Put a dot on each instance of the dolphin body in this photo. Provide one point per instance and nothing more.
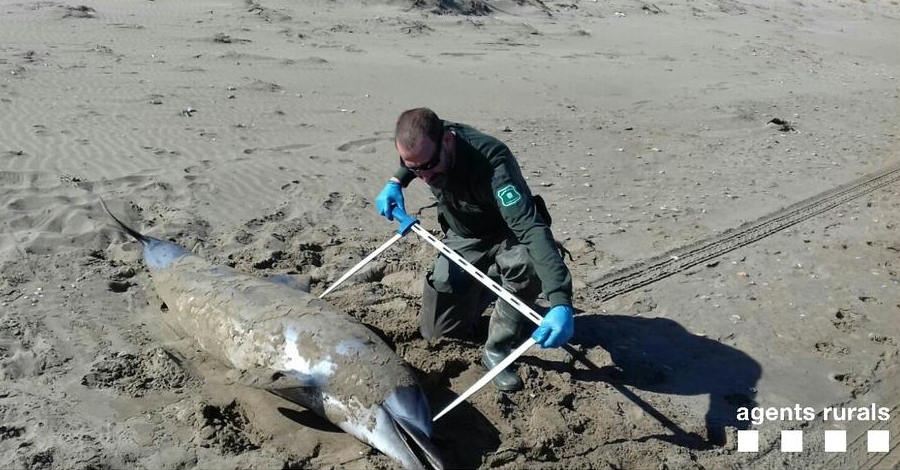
(290, 343)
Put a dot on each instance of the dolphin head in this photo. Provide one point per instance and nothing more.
(398, 424)
(402, 429)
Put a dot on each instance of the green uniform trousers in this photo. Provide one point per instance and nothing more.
(453, 300)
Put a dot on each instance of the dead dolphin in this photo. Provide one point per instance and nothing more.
(288, 342)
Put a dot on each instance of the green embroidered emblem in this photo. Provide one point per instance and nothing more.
(508, 195)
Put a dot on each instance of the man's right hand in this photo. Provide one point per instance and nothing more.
(390, 196)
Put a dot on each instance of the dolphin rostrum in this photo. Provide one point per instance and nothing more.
(288, 342)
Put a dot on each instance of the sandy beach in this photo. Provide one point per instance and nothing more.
(724, 173)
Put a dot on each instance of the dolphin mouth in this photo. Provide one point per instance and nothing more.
(410, 415)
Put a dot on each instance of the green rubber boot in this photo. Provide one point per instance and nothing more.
(503, 331)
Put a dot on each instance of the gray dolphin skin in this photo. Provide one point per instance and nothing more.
(288, 342)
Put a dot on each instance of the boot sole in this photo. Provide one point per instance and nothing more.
(515, 388)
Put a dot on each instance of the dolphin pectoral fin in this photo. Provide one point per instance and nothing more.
(287, 382)
(272, 380)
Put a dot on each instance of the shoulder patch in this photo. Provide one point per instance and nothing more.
(508, 195)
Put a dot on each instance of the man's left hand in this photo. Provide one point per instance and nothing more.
(556, 328)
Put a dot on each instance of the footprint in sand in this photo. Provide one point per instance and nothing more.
(196, 182)
(882, 339)
(360, 145)
(223, 428)
(847, 321)
(282, 148)
(203, 166)
(155, 370)
(829, 348)
(80, 11)
(858, 384)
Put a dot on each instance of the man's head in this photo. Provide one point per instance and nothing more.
(424, 146)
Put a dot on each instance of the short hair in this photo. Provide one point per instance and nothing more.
(415, 124)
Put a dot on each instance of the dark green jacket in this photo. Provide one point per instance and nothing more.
(487, 198)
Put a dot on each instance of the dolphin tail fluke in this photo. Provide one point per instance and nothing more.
(134, 233)
(158, 254)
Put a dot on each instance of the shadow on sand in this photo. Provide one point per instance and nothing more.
(658, 355)
(465, 435)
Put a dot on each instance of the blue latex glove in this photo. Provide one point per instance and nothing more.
(556, 328)
(390, 196)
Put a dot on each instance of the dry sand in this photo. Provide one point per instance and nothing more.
(258, 133)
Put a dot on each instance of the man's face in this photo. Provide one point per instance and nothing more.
(429, 161)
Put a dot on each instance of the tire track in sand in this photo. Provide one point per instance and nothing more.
(680, 259)
(858, 455)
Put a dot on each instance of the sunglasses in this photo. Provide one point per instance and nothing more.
(431, 163)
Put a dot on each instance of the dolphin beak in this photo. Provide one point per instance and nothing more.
(408, 408)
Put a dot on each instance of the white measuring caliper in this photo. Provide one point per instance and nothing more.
(408, 224)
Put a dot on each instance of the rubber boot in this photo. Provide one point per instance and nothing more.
(503, 332)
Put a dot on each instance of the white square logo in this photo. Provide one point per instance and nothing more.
(878, 440)
(835, 440)
(792, 441)
(748, 441)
